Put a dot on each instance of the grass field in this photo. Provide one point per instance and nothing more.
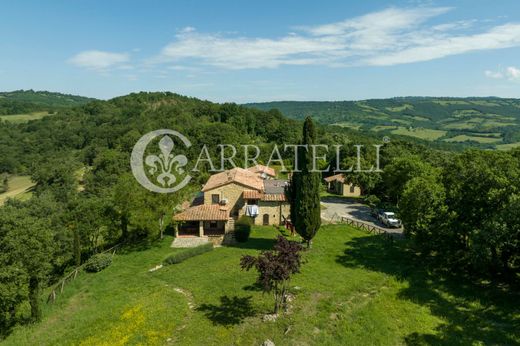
(354, 289)
(399, 108)
(19, 188)
(383, 127)
(508, 146)
(23, 118)
(479, 139)
(348, 125)
(422, 133)
(462, 125)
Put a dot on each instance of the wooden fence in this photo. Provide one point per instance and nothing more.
(367, 226)
(60, 285)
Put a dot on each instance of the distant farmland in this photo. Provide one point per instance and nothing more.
(23, 118)
(482, 122)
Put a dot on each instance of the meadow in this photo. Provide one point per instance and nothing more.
(354, 289)
(19, 187)
(422, 133)
(23, 118)
(478, 139)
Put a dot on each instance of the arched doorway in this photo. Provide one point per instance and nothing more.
(266, 219)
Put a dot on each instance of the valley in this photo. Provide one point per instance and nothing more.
(492, 123)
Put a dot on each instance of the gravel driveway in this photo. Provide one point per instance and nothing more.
(352, 208)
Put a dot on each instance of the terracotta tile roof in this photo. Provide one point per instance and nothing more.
(273, 197)
(338, 177)
(263, 169)
(268, 197)
(212, 212)
(235, 175)
(251, 194)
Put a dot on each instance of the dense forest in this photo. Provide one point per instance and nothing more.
(27, 101)
(460, 209)
(487, 122)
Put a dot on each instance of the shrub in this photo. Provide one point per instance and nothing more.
(184, 254)
(275, 269)
(98, 262)
(243, 228)
(372, 201)
(3, 183)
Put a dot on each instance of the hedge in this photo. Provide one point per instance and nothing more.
(98, 262)
(243, 228)
(184, 254)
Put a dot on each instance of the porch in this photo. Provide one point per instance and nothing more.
(215, 228)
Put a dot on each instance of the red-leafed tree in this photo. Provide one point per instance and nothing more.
(275, 268)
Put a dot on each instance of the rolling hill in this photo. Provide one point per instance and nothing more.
(354, 289)
(28, 102)
(488, 122)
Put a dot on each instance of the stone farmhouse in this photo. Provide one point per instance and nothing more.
(228, 195)
(338, 185)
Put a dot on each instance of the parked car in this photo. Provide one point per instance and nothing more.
(389, 219)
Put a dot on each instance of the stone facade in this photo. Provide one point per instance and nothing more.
(271, 213)
(233, 194)
(343, 189)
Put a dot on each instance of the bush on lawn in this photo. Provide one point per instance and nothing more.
(184, 254)
(243, 228)
(98, 262)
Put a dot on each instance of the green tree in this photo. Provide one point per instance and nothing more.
(304, 190)
(56, 176)
(424, 212)
(275, 268)
(401, 170)
(28, 243)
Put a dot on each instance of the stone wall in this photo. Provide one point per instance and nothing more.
(350, 190)
(232, 192)
(275, 210)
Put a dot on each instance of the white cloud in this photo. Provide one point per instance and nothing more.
(99, 60)
(388, 37)
(494, 74)
(512, 73)
(504, 36)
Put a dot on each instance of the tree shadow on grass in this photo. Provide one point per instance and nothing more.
(231, 311)
(475, 313)
(256, 243)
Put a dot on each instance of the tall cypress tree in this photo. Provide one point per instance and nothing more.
(304, 190)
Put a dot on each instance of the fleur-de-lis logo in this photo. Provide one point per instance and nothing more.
(165, 162)
(161, 167)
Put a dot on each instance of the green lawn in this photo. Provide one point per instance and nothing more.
(354, 289)
(23, 118)
(19, 187)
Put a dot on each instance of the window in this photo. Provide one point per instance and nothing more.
(352, 188)
(215, 199)
(213, 224)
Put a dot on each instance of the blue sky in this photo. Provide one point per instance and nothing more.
(245, 51)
